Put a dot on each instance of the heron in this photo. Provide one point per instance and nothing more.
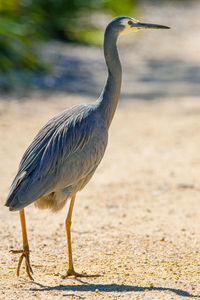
(66, 152)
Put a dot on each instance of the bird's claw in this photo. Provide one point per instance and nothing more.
(25, 255)
(71, 272)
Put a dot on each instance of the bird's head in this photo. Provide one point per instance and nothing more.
(125, 25)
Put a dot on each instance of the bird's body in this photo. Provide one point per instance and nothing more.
(61, 159)
(66, 152)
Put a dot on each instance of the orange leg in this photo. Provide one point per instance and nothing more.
(68, 222)
(25, 251)
(68, 231)
(71, 271)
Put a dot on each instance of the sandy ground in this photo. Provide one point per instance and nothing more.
(136, 224)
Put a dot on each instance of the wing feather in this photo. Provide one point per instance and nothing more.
(65, 134)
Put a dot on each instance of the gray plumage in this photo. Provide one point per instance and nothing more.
(66, 152)
(61, 159)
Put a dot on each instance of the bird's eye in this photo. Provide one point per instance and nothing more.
(130, 22)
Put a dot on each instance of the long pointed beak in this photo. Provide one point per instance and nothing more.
(149, 26)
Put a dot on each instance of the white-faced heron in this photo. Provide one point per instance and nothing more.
(66, 152)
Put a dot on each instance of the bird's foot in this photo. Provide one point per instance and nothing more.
(71, 272)
(25, 255)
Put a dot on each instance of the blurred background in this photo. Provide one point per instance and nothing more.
(27, 25)
(48, 45)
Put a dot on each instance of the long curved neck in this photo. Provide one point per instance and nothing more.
(111, 92)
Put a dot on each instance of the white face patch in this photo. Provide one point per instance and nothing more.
(125, 21)
(127, 27)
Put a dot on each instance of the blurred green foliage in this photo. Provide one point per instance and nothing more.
(24, 23)
(17, 36)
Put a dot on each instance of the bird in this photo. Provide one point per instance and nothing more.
(66, 152)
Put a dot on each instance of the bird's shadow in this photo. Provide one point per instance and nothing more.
(87, 287)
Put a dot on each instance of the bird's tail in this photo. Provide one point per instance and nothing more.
(12, 200)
